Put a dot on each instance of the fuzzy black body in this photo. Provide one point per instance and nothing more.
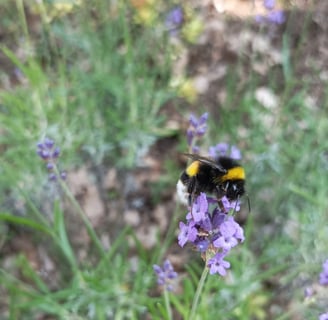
(203, 181)
(222, 177)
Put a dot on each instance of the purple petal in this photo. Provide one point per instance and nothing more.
(175, 17)
(167, 266)
(200, 131)
(63, 175)
(48, 143)
(199, 208)
(323, 316)
(218, 265)
(260, 19)
(40, 145)
(217, 218)
(269, 4)
(56, 153)
(195, 149)
(157, 268)
(235, 153)
(203, 119)
(183, 235)
(193, 120)
(52, 177)
(44, 154)
(50, 166)
(202, 245)
(277, 17)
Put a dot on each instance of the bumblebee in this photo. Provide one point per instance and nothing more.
(223, 176)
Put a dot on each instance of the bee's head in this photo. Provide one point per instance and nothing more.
(233, 189)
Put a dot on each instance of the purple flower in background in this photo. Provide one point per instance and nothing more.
(224, 149)
(221, 149)
(274, 17)
(165, 274)
(323, 280)
(47, 151)
(260, 19)
(174, 19)
(197, 128)
(308, 292)
(269, 4)
(235, 153)
(218, 265)
(193, 121)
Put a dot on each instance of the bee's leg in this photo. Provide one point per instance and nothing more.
(220, 192)
(192, 190)
(221, 206)
(192, 186)
(190, 200)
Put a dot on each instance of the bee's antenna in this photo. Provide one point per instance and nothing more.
(237, 202)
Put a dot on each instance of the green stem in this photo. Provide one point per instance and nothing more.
(22, 16)
(199, 290)
(130, 69)
(83, 216)
(167, 304)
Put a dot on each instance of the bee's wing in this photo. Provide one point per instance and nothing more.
(207, 161)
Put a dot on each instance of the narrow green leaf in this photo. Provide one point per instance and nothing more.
(63, 241)
(30, 273)
(25, 222)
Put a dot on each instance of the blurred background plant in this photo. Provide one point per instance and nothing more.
(114, 83)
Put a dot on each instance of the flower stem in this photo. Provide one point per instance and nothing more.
(199, 290)
(167, 304)
(84, 218)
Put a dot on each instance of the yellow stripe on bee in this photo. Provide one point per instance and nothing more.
(236, 173)
(193, 169)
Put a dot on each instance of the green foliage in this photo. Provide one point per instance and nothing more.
(91, 293)
(102, 82)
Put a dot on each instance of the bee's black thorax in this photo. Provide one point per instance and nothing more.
(202, 181)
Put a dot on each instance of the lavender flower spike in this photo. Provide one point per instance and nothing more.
(165, 274)
(47, 151)
(197, 128)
